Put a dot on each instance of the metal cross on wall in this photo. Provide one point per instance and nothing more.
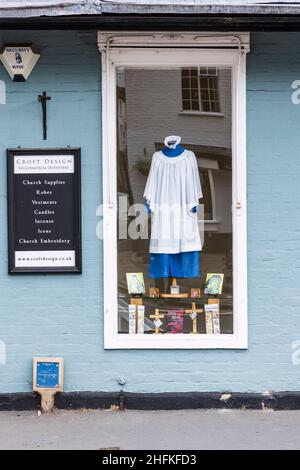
(43, 100)
(193, 313)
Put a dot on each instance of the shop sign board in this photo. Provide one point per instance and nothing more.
(44, 211)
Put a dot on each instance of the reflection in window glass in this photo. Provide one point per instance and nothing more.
(200, 89)
(186, 289)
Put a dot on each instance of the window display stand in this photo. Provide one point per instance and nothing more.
(136, 301)
(157, 317)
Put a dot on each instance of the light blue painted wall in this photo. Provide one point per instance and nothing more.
(62, 315)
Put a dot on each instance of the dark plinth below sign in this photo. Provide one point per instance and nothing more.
(44, 210)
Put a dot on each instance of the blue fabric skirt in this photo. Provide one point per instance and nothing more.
(174, 264)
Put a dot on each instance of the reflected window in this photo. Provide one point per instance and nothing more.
(152, 300)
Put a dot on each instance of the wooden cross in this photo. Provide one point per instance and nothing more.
(43, 100)
(194, 310)
(156, 316)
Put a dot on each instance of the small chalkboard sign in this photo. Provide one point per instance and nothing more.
(48, 373)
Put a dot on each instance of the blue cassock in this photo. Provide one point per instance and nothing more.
(174, 264)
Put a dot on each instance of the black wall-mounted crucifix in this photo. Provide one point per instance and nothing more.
(43, 100)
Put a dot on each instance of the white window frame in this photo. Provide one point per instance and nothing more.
(154, 50)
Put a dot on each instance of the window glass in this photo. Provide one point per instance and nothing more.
(175, 224)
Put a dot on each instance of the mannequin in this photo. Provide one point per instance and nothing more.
(179, 264)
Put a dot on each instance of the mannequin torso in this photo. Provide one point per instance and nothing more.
(179, 265)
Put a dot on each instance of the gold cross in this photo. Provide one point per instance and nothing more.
(194, 310)
(156, 316)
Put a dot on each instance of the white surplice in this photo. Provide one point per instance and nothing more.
(172, 190)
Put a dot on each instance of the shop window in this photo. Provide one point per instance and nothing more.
(174, 219)
(200, 89)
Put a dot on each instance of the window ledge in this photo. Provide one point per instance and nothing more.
(200, 113)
